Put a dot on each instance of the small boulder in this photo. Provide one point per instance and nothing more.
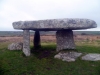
(68, 59)
(68, 56)
(91, 57)
(15, 46)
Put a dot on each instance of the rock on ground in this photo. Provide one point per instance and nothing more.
(15, 46)
(68, 56)
(91, 57)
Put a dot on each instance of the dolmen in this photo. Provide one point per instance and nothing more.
(63, 28)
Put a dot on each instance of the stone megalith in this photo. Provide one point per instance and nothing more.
(63, 27)
(26, 42)
(65, 40)
(37, 40)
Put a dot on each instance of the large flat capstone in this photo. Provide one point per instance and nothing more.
(55, 24)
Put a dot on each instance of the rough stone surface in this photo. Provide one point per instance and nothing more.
(15, 46)
(56, 24)
(91, 57)
(26, 42)
(65, 40)
(68, 56)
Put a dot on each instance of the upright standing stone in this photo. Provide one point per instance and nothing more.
(65, 40)
(37, 40)
(26, 42)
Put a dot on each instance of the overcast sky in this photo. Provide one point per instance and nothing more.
(21, 10)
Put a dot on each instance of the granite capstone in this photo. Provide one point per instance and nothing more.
(55, 24)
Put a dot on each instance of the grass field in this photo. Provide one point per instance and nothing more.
(42, 62)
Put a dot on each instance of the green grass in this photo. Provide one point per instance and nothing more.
(42, 62)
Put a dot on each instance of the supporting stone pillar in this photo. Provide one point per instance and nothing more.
(65, 40)
(26, 42)
(37, 40)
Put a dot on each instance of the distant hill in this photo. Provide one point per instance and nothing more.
(20, 33)
(87, 32)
